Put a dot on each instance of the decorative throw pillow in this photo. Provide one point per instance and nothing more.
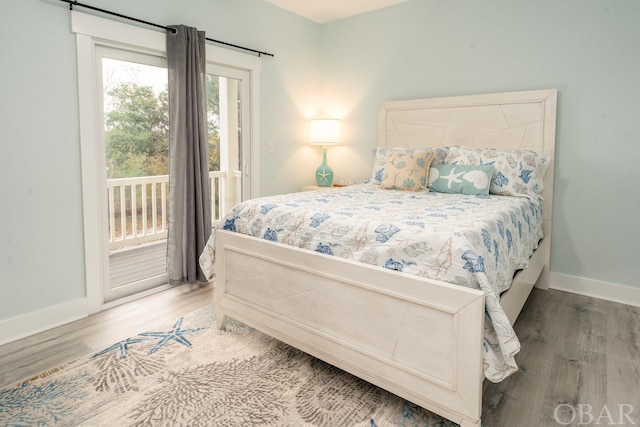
(408, 171)
(461, 179)
(515, 172)
(381, 158)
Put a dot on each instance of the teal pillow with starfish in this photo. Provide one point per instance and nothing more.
(461, 179)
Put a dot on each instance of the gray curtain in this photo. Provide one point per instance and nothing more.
(189, 197)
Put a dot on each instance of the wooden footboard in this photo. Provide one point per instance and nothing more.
(420, 339)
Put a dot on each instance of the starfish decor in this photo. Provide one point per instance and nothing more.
(323, 176)
(453, 177)
(123, 346)
(176, 334)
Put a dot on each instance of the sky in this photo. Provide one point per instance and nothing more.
(115, 72)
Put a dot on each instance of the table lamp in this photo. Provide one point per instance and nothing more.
(324, 132)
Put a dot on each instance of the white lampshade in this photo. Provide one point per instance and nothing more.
(324, 131)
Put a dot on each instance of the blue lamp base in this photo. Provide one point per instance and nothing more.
(324, 174)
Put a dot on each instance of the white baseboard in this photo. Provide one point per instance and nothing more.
(39, 321)
(594, 288)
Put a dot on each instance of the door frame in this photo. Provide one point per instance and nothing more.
(92, 31)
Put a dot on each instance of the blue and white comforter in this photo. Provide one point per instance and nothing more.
(472, 241)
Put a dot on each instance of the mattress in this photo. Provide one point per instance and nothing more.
(473, 241)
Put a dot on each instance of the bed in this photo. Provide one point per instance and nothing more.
(402, 325)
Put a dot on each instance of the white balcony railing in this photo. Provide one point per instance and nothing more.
(137, 207)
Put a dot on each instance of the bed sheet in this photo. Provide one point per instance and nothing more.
(474, 241)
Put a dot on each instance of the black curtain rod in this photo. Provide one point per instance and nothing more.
(73, 3)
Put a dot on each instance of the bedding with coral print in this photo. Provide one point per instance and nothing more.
(474, 241)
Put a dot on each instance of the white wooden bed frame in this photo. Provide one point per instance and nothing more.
(418, 338)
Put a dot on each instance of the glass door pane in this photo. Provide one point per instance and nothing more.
(136, 148)
(227, 139)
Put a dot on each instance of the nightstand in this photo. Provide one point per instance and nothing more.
(316, 187)
(312, 187)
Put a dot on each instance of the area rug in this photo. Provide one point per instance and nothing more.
(190, 374)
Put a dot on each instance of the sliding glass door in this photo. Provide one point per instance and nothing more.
(228, 103)
(134, 114)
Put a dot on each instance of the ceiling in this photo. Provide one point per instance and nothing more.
(322, 11)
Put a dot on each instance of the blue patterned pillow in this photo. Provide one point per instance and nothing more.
(459, 179)
(515, 172)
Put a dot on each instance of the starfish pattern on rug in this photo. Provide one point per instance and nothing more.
(235, 376)
(176, 334)
(123, 346)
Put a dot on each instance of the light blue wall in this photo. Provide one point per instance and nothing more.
(41, 246)
(41, 231)
(588, 49)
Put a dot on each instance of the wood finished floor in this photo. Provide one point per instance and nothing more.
(575, 350)
(47, 350)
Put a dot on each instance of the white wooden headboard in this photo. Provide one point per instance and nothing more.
(507, 121)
